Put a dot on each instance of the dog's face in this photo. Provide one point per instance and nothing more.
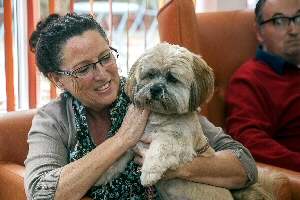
(169, 79)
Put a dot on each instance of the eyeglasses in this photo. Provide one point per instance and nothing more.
(282, 23)
(85, 71)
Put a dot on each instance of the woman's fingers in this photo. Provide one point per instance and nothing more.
(134, 124)
(139, 160)
(139, 155)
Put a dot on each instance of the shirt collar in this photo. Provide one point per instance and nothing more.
(277, 63)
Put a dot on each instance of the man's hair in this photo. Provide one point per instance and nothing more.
(259, 10)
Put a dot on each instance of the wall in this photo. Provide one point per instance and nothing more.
(220, 5)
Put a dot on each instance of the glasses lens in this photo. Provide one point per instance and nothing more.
(83, 71)
(297, 20)
(109, 59)
(281, 23)
(105, 61)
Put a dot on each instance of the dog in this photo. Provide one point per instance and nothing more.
(172, 82)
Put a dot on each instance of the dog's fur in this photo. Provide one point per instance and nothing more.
(172, 82)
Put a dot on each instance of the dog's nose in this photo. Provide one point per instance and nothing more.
(156, 91)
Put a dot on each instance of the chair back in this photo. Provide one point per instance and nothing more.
(225, 40)
(14, 129)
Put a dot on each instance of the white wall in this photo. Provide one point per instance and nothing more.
(206, 5)
(226, 5)
(220, 5)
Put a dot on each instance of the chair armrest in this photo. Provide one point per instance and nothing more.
(12, 181)
(292, 175)
(13, 135)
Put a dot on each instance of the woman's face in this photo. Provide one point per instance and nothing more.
(98, 90)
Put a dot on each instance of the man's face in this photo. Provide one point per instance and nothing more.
(284, 43)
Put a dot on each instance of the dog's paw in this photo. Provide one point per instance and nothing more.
(149, 179)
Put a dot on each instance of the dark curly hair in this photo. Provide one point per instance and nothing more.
(52, 34)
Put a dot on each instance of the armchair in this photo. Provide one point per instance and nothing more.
(225, 40)
(13, 152)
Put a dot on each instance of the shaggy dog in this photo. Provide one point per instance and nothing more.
(173, 82)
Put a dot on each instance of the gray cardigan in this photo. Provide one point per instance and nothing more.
(53, 135)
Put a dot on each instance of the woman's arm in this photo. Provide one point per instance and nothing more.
(232, 166)
(223, 169)
(240, 156)
(90, 167)
(76, 178)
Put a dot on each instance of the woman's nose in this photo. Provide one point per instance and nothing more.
(100, 72)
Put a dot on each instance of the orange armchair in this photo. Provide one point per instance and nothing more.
(225, 40)
(14, 128)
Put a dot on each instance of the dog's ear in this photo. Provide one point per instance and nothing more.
(202, 88)
(130, 87)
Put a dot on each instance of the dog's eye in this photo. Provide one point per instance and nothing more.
(150, 75)
(171, 78)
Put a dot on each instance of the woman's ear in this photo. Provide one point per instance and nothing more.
(56, 80)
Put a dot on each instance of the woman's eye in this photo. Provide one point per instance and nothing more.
(106, 58)
(84, 69)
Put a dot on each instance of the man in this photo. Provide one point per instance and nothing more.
(263, 96)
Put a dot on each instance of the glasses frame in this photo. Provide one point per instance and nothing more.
(73, 74)
(273, 19)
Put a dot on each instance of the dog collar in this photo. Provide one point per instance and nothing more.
(203, 149)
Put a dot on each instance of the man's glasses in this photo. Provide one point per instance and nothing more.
(85, 71)
(282, 23)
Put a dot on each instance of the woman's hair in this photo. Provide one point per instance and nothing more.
(53, 33)
(259, 11)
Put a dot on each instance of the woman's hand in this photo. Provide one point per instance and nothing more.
(139, 156)
(133, 125)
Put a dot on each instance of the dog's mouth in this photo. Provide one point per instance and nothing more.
(152, 103)
(156, 98)
(158, 105)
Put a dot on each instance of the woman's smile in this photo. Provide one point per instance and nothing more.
(104, 87)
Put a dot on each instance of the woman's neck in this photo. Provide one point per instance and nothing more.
(99, 124)
(95, 115)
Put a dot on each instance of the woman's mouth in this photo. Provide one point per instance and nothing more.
(104, 87)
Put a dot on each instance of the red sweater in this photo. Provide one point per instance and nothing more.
(264, 113)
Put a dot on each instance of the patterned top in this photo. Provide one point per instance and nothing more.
(127, 185)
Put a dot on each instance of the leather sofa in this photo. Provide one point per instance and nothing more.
(225, 40)
(14, 128)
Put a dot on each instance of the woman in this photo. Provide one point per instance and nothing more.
(79, 135)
